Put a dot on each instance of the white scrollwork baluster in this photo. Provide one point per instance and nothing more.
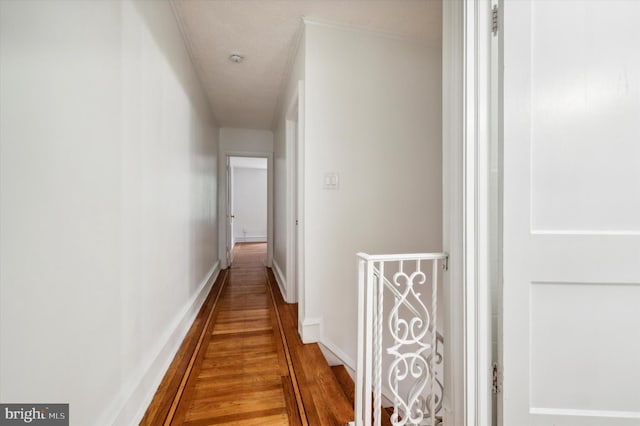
(393, 375)
(377, 386)
(434, 335)
(408, 365)
(414, 371)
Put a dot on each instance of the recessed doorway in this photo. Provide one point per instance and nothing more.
(247, 202)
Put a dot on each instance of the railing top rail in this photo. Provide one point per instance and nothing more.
(398, 257)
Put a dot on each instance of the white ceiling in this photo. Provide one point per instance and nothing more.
(265, 32)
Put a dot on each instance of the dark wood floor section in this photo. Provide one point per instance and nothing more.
(243, 363)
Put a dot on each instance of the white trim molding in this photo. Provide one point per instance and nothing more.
(281, 280)
(477, 220)
(292, 121)
(336, 25)
(338, 353)
(310, 330)
(333, 359)
(454, 403)
(300, 277)
(336, 356)
(586, 413)
(466, 94)
(251, 239)
(295, 204)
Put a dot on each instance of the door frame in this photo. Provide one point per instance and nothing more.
(230, 215)
(467, 137)
(295, 200)
(223, 185)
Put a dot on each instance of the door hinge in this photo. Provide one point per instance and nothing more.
(445, 263)
(495, 379)
(494, 20)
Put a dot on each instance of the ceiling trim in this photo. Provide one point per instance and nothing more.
(271, 33)
(306, 20)
(362, 30)
(186, 39)
(286, 76)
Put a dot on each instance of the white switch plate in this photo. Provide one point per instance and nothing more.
(330, 181)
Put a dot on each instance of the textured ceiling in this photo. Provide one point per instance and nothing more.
(265, 33)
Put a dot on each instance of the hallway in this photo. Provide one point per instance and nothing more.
(243, 362)
(501, 136)
(238, 373)
(117, 120)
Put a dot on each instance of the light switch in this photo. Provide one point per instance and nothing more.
(330, 181)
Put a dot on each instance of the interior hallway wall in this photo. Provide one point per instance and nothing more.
(246, 140)
(373, 116)
(108, 203)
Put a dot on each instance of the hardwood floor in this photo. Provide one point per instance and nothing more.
(243, 362)
(172, 385)
(324, 400)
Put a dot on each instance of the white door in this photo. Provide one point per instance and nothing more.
(294, 182)
(230, 214)
(571, 164)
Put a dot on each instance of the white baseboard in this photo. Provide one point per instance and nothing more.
(282, 282)
(336, 355)
(387, 396)
(130, 404)
(252, 239)
(333, 359)
(310, 330)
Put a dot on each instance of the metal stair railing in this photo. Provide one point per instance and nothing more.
(414, 347)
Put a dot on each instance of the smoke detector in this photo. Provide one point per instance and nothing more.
(237, 58)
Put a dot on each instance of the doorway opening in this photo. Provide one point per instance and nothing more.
(247, 202)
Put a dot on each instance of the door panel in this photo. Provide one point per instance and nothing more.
(571, 212)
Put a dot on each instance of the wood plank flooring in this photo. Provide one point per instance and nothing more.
(239, 376)
(324, 400)
(243, 363)
(174, 380)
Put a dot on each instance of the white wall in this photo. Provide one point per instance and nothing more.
(250, 203)
(244, 142)
(107, 203)
(373, 116)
